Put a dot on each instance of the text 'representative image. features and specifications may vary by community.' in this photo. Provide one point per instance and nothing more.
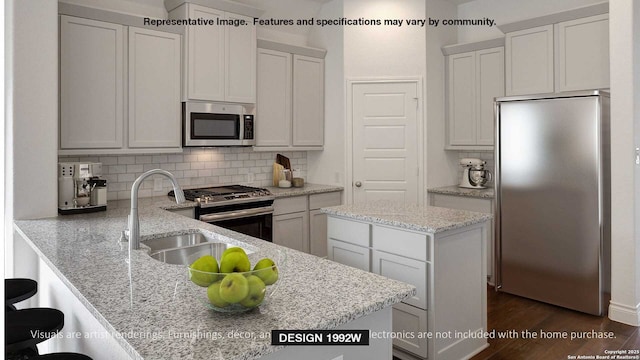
(343, 21)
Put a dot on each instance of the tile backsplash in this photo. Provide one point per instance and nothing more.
(193, 167)
(483, 155)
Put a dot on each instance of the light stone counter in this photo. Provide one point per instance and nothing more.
(307, 189)
(429, 219)
(458, 191)
(153, 298)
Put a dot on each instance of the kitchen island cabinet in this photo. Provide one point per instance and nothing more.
(439, 251)
(140, 308)
(480, 200)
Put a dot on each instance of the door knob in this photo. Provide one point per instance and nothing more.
(358, 184)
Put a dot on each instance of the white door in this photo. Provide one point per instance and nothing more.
(385, 141)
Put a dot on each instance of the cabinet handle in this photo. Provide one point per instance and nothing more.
(358, 184)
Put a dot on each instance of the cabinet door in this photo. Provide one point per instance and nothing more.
(412, 320)
(583, 59)
(318, 233)
(292, 231)
(205, 56)
(240, 64)
(154, 89)
(529, 61)
(273, 113)
(91, 84)
(348, 254)
(489, 85)
(403, 269)
(462, 99)
(308, 101)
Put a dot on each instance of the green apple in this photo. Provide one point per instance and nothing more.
(234, 288)
(257, 290)
(203, 266)
(268, 271)
(235, 262)
(213, 293)
(232, 250)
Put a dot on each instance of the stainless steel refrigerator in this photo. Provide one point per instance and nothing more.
(553, 198)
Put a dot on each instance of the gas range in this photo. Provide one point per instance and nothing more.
(227, 195)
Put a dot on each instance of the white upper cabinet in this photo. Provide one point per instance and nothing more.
(240, 65)
(220, 59)
(529, 61)
(567, 51)
(205, 56)
(91, 84)
(475, 78)
(489, 85)
(273, 112)
(308, 101)
(154, 89)
(583, 55)
(290, 98)
(119, 88)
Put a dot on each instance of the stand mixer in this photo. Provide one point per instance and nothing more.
(474, 175)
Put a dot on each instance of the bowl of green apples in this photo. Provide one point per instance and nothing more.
(232, 284)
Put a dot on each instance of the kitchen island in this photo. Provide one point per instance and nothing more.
(440, 251)
(141, 308)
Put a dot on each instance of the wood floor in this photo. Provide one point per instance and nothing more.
(509, 312)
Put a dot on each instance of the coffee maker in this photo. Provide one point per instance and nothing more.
(474, 175)
(80, 188)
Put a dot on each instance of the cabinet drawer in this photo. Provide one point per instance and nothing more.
(402, 242)
(412, 320)
(317, 201)
(403, 269)
(289, 205)
(349, 254)
(348, 231)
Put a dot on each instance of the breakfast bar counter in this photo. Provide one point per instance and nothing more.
(146, 309)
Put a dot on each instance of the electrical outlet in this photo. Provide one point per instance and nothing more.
(251, 178)
(157, 184)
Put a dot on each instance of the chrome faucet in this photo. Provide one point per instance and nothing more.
(133, 233)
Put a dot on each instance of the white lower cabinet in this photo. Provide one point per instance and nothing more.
(407, 319)
(349, 254)
(448, 270)
(291, 230)
(483, 205)
(407, 270)
(299, 224)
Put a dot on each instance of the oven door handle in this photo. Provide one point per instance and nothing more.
(266, 210)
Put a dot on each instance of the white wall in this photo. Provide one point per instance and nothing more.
(328, 166)
(443, 164)
(624, 37)
(31, 114)
(508, 11)
(377, 51)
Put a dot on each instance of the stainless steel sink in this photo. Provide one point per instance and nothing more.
(184, 249)
(189, 254)
(176, 241)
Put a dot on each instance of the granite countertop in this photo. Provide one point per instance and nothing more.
(307, 189)
(458, 191)
(156, 303)
(429, 219)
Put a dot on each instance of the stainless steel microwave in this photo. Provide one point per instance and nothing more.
(214, 124)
